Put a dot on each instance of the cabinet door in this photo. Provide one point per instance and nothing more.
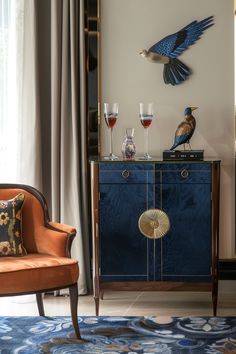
(183, 191)
(126, 190)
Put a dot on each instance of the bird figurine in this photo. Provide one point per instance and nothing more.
(169, 48)
(185, 129)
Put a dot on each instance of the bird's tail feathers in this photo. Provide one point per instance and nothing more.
(175, 72)
(173, 146)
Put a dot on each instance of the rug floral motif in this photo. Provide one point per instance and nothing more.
(117, 335)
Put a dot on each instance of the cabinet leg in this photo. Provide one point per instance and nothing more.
(96, 299)
(96, 294)
(214, 297)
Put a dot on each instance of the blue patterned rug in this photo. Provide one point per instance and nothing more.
(117, 335)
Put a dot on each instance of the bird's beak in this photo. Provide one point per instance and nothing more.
(193, 108)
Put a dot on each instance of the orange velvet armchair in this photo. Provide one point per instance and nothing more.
(47, 265)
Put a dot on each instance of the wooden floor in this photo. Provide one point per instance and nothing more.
(130, 304)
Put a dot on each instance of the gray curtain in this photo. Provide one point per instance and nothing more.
(29, 169)
(61, 120)
(68, 130)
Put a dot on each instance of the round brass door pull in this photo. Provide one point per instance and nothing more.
(125, 174)
(154, 223)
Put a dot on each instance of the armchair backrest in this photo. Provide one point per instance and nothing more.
(34, 212)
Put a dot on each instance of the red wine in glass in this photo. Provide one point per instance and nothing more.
(111, 115)
(146, 116)
(146, 122)
(110, 120)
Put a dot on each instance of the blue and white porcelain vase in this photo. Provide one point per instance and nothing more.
(128, 147)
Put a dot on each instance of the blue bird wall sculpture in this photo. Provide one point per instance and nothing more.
(169, 48)
(185, 129)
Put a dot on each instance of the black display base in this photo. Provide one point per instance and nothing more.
(183, 155)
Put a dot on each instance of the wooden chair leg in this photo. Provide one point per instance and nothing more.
(73, 306)
(39, 299)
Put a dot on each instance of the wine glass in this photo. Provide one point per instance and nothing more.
(111, 115)
(146, 116)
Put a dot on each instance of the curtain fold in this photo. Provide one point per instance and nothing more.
(29, 134)
(57, 130)
(68, 155)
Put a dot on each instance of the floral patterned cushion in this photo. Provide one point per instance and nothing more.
(10, 226)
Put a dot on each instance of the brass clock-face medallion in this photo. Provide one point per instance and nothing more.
(154, 223)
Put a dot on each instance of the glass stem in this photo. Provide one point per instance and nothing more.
(111, 142)
(146, 140)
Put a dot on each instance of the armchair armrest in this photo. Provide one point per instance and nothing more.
(55, 239)
(63, 227)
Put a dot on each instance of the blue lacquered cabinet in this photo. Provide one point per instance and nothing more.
(186, 257)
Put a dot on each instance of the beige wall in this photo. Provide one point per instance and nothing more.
(129, 26)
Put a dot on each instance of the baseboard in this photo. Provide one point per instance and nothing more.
(227, 269)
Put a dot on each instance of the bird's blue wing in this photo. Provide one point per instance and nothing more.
(179, 140)
(165, 46)
(173, 45)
